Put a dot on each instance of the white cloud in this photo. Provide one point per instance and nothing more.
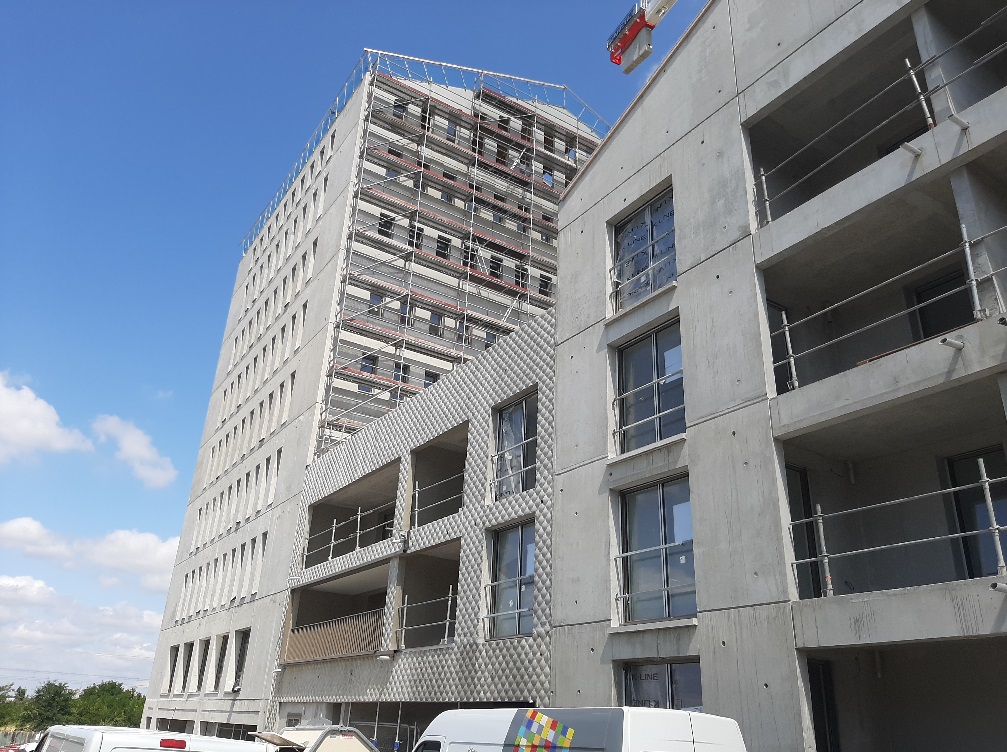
(24, 591)
(163, 394)
(61, 638)
(137, 450)
(122, 555)
(29, 424)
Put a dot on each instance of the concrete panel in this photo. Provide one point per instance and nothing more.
(839, 28)
(948, 610)
(694, 81)
(582, 277)
(751, 672)
(582, 670)
(584, 394)
(714, 202)
(653, 641)
(724, 350)
(906, 374)
(738, 508)
(583, 573)
(651, 463)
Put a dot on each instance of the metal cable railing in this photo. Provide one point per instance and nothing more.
(454, 500)
(430, 630)
(919, 97)
(353, 535)
(969, 286)
(826, 555)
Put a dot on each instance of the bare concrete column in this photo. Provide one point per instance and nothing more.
(393, 602)
(982, 209)
(936, 34)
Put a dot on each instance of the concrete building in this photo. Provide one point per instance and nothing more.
(426, 580)
(782, 292)
(417, 227)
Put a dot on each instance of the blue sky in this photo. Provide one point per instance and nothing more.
(138, 142)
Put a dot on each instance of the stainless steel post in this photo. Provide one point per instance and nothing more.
(791, 361)
(994, 527)
(977, 310)
(823, 552)
(447, 616)
(919, 95)
(359, 515)
(765, 196)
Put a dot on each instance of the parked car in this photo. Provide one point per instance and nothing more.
(113, 738)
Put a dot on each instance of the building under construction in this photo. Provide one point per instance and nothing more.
(452, 235)
(417, 226)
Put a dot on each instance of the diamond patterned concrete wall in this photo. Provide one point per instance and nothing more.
(473, 668)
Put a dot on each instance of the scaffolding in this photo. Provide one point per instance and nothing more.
(453, 224)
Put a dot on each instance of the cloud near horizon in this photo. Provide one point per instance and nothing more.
(120, 556)
(43, 630)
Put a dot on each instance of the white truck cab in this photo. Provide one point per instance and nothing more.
(109, 738)
(580, 730)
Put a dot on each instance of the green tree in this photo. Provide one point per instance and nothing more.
(14, 707)
(51, 703)
(108, 704)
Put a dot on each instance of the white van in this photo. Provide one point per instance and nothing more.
(580, 730)
(109, 738)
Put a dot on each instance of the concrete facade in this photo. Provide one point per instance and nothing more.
(333, 307)
(813, 632)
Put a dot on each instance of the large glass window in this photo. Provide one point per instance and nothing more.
(657, 567)
(512, 589)
(645, 252)
(516, 443)
(651, 401)
(664, 685)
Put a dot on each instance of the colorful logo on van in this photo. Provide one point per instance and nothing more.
(540, 733)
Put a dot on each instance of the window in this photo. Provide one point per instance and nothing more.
(944, 305)
(516, 441)
(547, 177)
(491, 339)
(172, 661)
(496, 267)
(443, 246)
(401, 373)
(645, 252)
(521, 275)
(395, 153)
(657, 570)
(369, 365)
(651, 401)
(809, 580)
(204, 652)
(430, 378)
(391, 173)
(415, 235)
(664, 685)
(445, 196)
(452, 131)
(545, 285)
(972, 511)
(405, 313)
(385, 225)
(512, 590)
(241, 639)
(549, 141)
(399, 109)
(221, 658)
(376, 301)
(437, 324)
(823, 706)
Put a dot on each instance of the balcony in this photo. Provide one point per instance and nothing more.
(873, 101)
(910, 495)
(428, 612)
(439, 477)
(339, 618)
(906, 272)
(359, 515)
(356, 634)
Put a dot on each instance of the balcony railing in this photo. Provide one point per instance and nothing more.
(510, 607)
(510, 481)
(347, 536)
(438, 499)
(427, 623)
(786, 342)
(674, 597)
(906, 96)
(828, 568)
(357, 634)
